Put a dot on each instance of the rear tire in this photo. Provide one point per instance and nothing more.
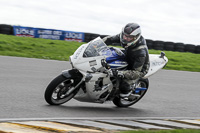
(56, 91)
(121, 102)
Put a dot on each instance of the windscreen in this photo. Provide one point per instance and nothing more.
(97, 48)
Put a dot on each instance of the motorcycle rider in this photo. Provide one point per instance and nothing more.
(136, 53)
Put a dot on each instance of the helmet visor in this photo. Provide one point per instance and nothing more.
(128, 38)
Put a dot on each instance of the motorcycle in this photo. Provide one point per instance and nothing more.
(94, 76)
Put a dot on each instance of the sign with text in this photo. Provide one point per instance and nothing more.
(48, 34)
(24, 31)
(73, 36)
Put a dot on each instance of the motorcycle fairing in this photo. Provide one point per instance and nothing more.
(95, 91)
(98, 85)
(116, 59)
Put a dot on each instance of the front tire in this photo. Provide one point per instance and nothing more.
(57, 91)
(122, 102)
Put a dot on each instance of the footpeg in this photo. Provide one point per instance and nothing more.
(125, 95)
(133, 96)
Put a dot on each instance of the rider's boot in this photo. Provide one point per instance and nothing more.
(126, 88)
(123, 95)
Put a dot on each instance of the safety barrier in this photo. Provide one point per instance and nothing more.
(86, 37)
(6, 29)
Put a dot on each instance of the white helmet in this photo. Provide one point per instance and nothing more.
(130, 34)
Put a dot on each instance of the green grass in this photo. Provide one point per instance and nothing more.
(165, 131)
(36, 47)
(61, 50)
(184, 61)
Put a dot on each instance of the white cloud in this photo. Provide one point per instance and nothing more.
(170, 20)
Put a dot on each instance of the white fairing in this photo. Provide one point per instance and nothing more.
(92, 95)
(88, 65)
(156, 63)
(85, 63)
(92, 65)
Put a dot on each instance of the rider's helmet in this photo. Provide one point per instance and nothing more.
(130, 34)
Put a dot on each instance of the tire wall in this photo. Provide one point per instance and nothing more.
(172, 46)
(6, 29)
(152, 44)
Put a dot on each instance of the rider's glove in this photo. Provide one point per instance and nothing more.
(120, 74)
(131, 75)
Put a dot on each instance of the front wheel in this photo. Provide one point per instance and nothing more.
(126, 102)
(60, 90)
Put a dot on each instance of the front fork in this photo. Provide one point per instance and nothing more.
(76, 76)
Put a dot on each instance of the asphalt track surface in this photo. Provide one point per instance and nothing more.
(24, 80)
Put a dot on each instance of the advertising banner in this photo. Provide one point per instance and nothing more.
(73, 36)
(49, 34)
(24, 31)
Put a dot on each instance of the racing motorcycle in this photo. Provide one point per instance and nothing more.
(95, 77)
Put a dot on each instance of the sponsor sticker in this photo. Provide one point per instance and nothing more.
(157, 63)
(78, 52)
(93, 63)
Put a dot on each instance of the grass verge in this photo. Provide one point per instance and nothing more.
(165, 131)
(61, 50)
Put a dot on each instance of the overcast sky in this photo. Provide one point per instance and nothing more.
(169, 20)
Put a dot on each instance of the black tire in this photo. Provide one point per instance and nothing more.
(6, 29)
(93, 36)
(90, 36)
(120, 102)
(189, 48)
(102, 36)
(59, 88)
(158, 45)
(180, 47)
(149, 43)
(169, 46)
(87, 37)
(197, 49)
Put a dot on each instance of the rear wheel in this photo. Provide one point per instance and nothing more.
(125, 102)
(60, 90)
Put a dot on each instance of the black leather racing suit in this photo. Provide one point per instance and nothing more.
(137, 57)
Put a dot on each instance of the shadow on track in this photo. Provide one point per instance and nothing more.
(98, 111)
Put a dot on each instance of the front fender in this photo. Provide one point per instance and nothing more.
(72, 73)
